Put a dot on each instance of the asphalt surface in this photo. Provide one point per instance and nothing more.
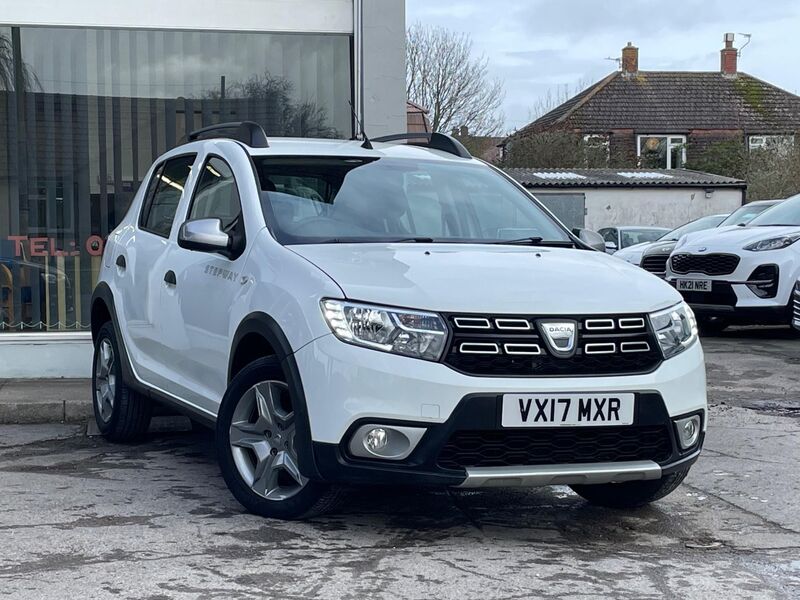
(80, 518)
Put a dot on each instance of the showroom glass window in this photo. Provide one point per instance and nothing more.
(84, 113)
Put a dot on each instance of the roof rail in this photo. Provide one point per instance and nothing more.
(249, 133)
(436, 141)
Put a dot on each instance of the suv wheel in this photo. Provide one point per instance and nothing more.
(121, 414)
(631, 494)
(257, 447)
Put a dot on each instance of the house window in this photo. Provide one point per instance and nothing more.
(782, 144)
(595, 148)
(661, 151)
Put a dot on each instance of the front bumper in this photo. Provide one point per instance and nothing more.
(731, 297)
(346, 386)
(432, 462)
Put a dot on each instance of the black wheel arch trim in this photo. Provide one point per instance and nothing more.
(264, 325)
(102, 293)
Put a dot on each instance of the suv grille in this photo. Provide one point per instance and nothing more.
(708, 264)
(655, 263)
(518, 447)
(796, 301)
(513, 346)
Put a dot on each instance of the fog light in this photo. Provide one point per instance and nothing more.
(376, 439)
(390, 442)
(688, 431)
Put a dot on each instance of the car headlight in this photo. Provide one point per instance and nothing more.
(407, 332)
(675, 328)
(773, 243)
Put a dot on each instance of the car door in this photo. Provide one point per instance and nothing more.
(137, 266)
(198, 291)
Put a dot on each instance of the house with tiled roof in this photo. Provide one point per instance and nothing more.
(664, 119)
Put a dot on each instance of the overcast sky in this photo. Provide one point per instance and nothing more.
(541, 45)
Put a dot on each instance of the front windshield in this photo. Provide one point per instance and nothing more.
(785, 213)
(745, 214)
(700, 224)
(328, 200)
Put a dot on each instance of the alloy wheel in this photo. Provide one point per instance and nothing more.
(105, 386)
(262, 441)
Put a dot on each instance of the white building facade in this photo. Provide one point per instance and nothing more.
(92, 91)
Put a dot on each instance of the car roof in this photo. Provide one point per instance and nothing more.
(324, 147)
(351, 149)
(645, 227)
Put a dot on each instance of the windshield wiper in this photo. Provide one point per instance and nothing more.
(536, 241)
(416, 240)
(526, 241)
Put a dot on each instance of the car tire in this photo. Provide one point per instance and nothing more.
(257, 447)
(631, 494)
(712, 326)
(122, 414)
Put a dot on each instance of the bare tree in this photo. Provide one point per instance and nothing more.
(443, 76)
(555, 97)
(7, 79)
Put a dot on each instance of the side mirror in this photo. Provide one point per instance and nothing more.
(610, 247)
(204, 235)
(592, 238)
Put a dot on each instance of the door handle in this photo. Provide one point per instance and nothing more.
(121, 262)
(169, 278)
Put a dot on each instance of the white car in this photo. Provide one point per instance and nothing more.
(634, 254)
(385, 313)
(742, 275)
(618, 239)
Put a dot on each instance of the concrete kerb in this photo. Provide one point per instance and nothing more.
(45, 401)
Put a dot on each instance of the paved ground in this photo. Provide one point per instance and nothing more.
(80, 518)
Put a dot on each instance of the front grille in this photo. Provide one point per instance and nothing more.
(796, 302)
(656, 263)
(506, 448)
(513, 346)
(708, 264)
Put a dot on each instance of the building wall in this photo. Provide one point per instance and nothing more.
(328, 16)
(657, 207)
(384, 66)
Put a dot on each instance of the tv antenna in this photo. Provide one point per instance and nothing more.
(617, 60)
(367, 145)
(745, 35)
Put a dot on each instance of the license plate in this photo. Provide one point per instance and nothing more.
(545, 410)
(694, 285)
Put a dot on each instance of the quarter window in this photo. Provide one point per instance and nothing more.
(164, 193)
(661, 151)
(216, 196)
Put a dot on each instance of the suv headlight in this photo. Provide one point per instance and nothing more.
(407, 332)
(675, 328)
(773, 243)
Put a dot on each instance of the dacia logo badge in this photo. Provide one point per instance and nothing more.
(703, 249)
(560, 336)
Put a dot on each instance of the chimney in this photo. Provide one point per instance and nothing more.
(728, 57)
(630, 59)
